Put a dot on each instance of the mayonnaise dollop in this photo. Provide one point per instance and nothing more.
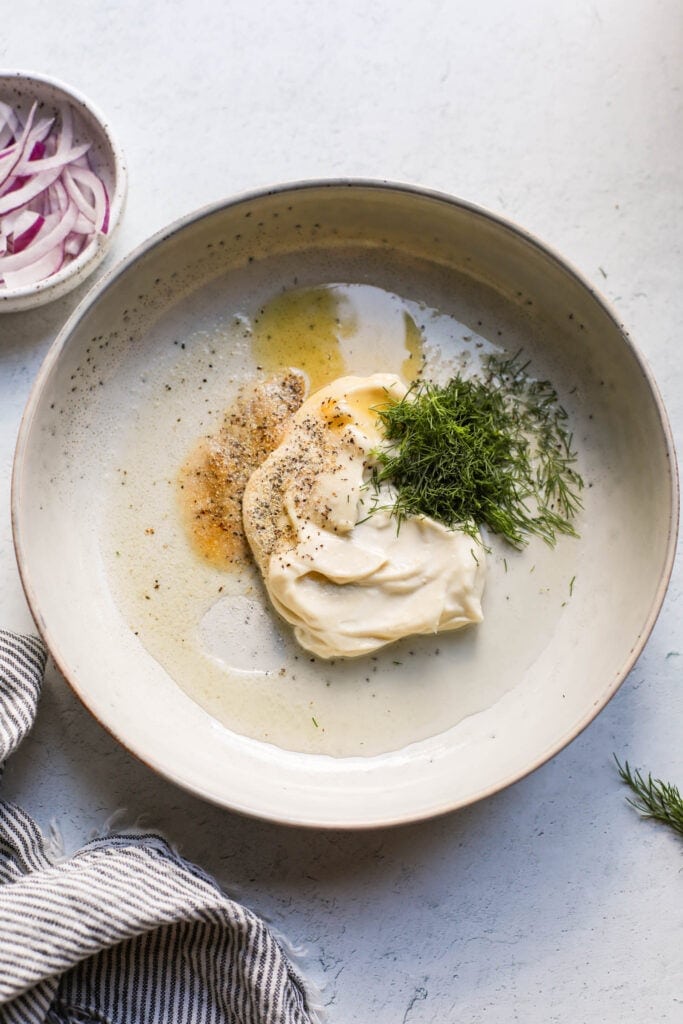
(347, 580)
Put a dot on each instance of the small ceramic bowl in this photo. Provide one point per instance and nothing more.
(19, 89)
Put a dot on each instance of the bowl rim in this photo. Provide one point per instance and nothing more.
(99, 243)
(247, 196)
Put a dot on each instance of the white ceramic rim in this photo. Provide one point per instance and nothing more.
(96, 248)
(380, 184)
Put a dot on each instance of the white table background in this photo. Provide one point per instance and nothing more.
(550, 902)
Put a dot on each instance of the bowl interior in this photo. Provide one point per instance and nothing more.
(21, 90)
(563, 626)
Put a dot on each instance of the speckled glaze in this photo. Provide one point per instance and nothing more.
(20, 89)
(607, 589)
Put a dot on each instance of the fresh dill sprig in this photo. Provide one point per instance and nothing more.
(653, 798)
(493, 450)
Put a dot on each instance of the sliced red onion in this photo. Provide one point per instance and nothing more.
(25, 230)
(34, 164)
(34, 186)
(8, 223)
(9, 124)
(37, 153)
(107, 213)
(75, 193)
(57, 194)
(50, 145)
(51, 201)
(75, 242)
(14, 184)
(8, 135)
(84, 225)
(67, 133)
(22, 144)
(88, 178)
(36, 136)
(46, 266)
(45, 242)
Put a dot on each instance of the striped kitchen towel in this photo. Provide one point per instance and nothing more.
(125, 931)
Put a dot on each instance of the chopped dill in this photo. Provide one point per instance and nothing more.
(493, 450)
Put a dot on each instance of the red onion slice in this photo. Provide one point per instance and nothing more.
(75, 193)
(88, 178)
(58, 197)
(22, 143)
(52, 203)
(12, 200)
(75, 242)
(44, 242)
(66, 136)
(84, 225)
(9, 124)
(9, 223)
(34, 164)
(36, 139)
(25, 230)
(38, 271)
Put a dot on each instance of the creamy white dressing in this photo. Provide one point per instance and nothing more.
(351, 582)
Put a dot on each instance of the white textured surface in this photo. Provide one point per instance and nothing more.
(550, 902)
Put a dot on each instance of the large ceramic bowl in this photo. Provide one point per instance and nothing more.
(20, 89)
(148, 363)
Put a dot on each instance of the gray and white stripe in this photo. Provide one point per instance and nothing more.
(125, 931)
(22, 663)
